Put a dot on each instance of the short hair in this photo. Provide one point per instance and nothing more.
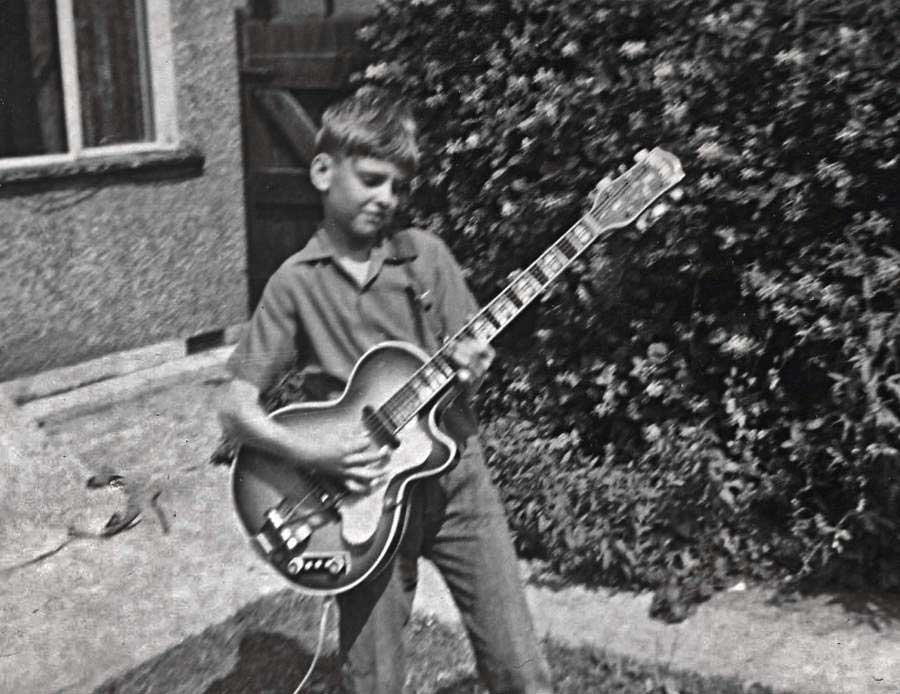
(372, 122)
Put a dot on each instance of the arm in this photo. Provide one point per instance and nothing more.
(268, 348)
(353, 459)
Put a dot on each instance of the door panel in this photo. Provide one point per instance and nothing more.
(290, 71)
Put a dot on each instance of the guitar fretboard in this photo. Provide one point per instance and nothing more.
(616, 206)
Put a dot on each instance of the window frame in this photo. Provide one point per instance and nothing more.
(163, 107)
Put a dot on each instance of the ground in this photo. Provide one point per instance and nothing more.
(178, 603)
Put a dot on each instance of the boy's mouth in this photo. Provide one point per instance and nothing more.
(373, 218)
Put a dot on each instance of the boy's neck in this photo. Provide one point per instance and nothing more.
(347, 245)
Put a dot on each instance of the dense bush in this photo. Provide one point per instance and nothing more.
(719, 394)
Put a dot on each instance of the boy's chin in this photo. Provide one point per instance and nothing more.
(369, 228)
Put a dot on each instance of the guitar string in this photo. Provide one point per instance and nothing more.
(335, 497)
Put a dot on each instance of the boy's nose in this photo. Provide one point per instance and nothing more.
(386, 196)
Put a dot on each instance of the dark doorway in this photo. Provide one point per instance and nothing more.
(291, 69)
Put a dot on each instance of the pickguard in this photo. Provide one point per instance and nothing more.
(361, 513)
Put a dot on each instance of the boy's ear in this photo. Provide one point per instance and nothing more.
(321, 170)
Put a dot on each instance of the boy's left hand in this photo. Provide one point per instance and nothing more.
(472, 359)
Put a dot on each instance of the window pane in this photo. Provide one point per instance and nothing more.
(32, 120)
(113, 71)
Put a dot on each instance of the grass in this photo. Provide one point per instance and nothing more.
(266, 648)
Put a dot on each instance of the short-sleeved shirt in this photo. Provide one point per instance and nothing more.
(313, 313)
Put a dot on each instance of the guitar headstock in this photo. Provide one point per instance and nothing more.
(620, 201)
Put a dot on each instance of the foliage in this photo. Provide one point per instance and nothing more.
(719, 394)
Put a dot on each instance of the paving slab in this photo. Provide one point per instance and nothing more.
(100, 606)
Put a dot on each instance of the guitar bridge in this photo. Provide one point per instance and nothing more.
(277, 536)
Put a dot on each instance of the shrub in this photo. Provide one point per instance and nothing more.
(719, 394)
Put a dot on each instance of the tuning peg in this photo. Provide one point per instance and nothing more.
(658, 210)
(651, 215)
(676, 194)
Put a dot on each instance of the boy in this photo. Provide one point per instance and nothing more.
(355, 285)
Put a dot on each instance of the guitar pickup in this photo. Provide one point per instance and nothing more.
(276, 535)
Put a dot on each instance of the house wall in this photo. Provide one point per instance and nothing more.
(95, 264)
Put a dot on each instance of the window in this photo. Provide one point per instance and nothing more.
(81, 78)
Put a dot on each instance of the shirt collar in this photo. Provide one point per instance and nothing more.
(319, 247)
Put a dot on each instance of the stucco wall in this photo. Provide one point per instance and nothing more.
(89, 265)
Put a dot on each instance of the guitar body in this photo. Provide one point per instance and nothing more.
(322, 539)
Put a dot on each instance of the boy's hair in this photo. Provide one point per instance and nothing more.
(370, 123)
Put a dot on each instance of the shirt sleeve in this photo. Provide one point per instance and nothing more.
(270, 345)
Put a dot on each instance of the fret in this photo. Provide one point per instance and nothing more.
(389, 417)
(443, 367)
(406, 403)
(393, 412)
(503, 309)
(480, 327)
(567, 248)
(583, 235)
(491, 319)
(592, 222)
(494, 320)
(526, 286)
(521, 290)
(514, 298)
(422, 391)
(538, 274)
(430, 374)
(551, 261)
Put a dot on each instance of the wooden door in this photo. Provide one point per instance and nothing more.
(290, 71)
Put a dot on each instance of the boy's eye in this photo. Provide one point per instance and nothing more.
(399, 187)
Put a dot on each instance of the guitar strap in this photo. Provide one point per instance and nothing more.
(457, 418)
(428, 323)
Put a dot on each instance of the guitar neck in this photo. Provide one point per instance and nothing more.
(618, 205)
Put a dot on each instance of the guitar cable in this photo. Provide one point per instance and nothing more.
(323, 624)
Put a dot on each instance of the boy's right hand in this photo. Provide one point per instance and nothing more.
(354, 459)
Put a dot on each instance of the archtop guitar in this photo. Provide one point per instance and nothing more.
(325, 540)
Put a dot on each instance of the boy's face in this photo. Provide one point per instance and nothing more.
(360, 194)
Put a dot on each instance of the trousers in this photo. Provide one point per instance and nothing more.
(458, 522)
